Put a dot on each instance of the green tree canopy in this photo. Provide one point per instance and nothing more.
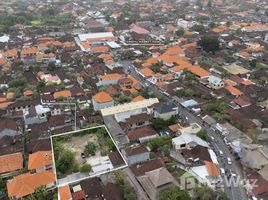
(179, 32)
(198, 28)
(174, 193)
(65, 161)
(209, 43)
(203, 135)
(85, 168)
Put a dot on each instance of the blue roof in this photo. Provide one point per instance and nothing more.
(189, 103)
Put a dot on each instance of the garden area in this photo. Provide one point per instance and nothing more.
(80, 151)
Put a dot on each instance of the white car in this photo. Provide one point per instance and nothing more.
(220, 152)
(222, 171)
(229, 161)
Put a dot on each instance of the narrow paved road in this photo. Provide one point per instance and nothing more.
(234, 192)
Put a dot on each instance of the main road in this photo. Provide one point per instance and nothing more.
(234, 192)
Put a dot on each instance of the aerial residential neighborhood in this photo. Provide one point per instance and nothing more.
(134, 99)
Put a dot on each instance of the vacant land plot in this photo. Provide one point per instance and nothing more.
(86, 152)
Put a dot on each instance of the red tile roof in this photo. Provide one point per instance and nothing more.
(11, 162)
(25, 184)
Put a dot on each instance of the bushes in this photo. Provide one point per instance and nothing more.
(90, 149)
(203, 135)
(217, 110)
(160, 124)
(174, 193)
(85, 168)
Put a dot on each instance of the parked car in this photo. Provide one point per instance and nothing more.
(229, 161)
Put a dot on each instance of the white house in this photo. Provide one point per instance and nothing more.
(215, 82)
(187, 141)
(102, 100)
(109, 79)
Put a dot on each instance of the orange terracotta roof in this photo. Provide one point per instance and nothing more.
(4, 105)
(171, 28)
(40, 74)
(247, 82)
(63, 93)
(102, 97)
(2, 99)
(230, 82)
(166, 58)
(64, 192)
(147, 72)
(112, 76)
(212, 168)
(11, 162)
(3, 61)
(27, 51)
(138, 98)
(244, 54)
(220, 29)
(199, 71)
(105, 56)
(85, 45)
(5, 68)
(27, 92)
(43, 55)
(193, 44)
(25, 184)
(100, 49)
(10, 95)
(175, 50)
(233, 90)
(177, 68)
(39, 159)
(11, 53)
(150, 61)
(56, 43)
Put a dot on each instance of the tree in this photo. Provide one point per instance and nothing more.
(209, 3)
(209, 43)
(204, 193)
(156, 143)
(90, 149)
(174, 193)
(203, 135)
(40, 193)
(129, 194)
(221, 195)
(158, 124)
(85, 168)
(198, 28)
(66, 160)
(253, 63)
(19, 81)
(51, 66)
(179, 32)
(156, 68)
(41, 84)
